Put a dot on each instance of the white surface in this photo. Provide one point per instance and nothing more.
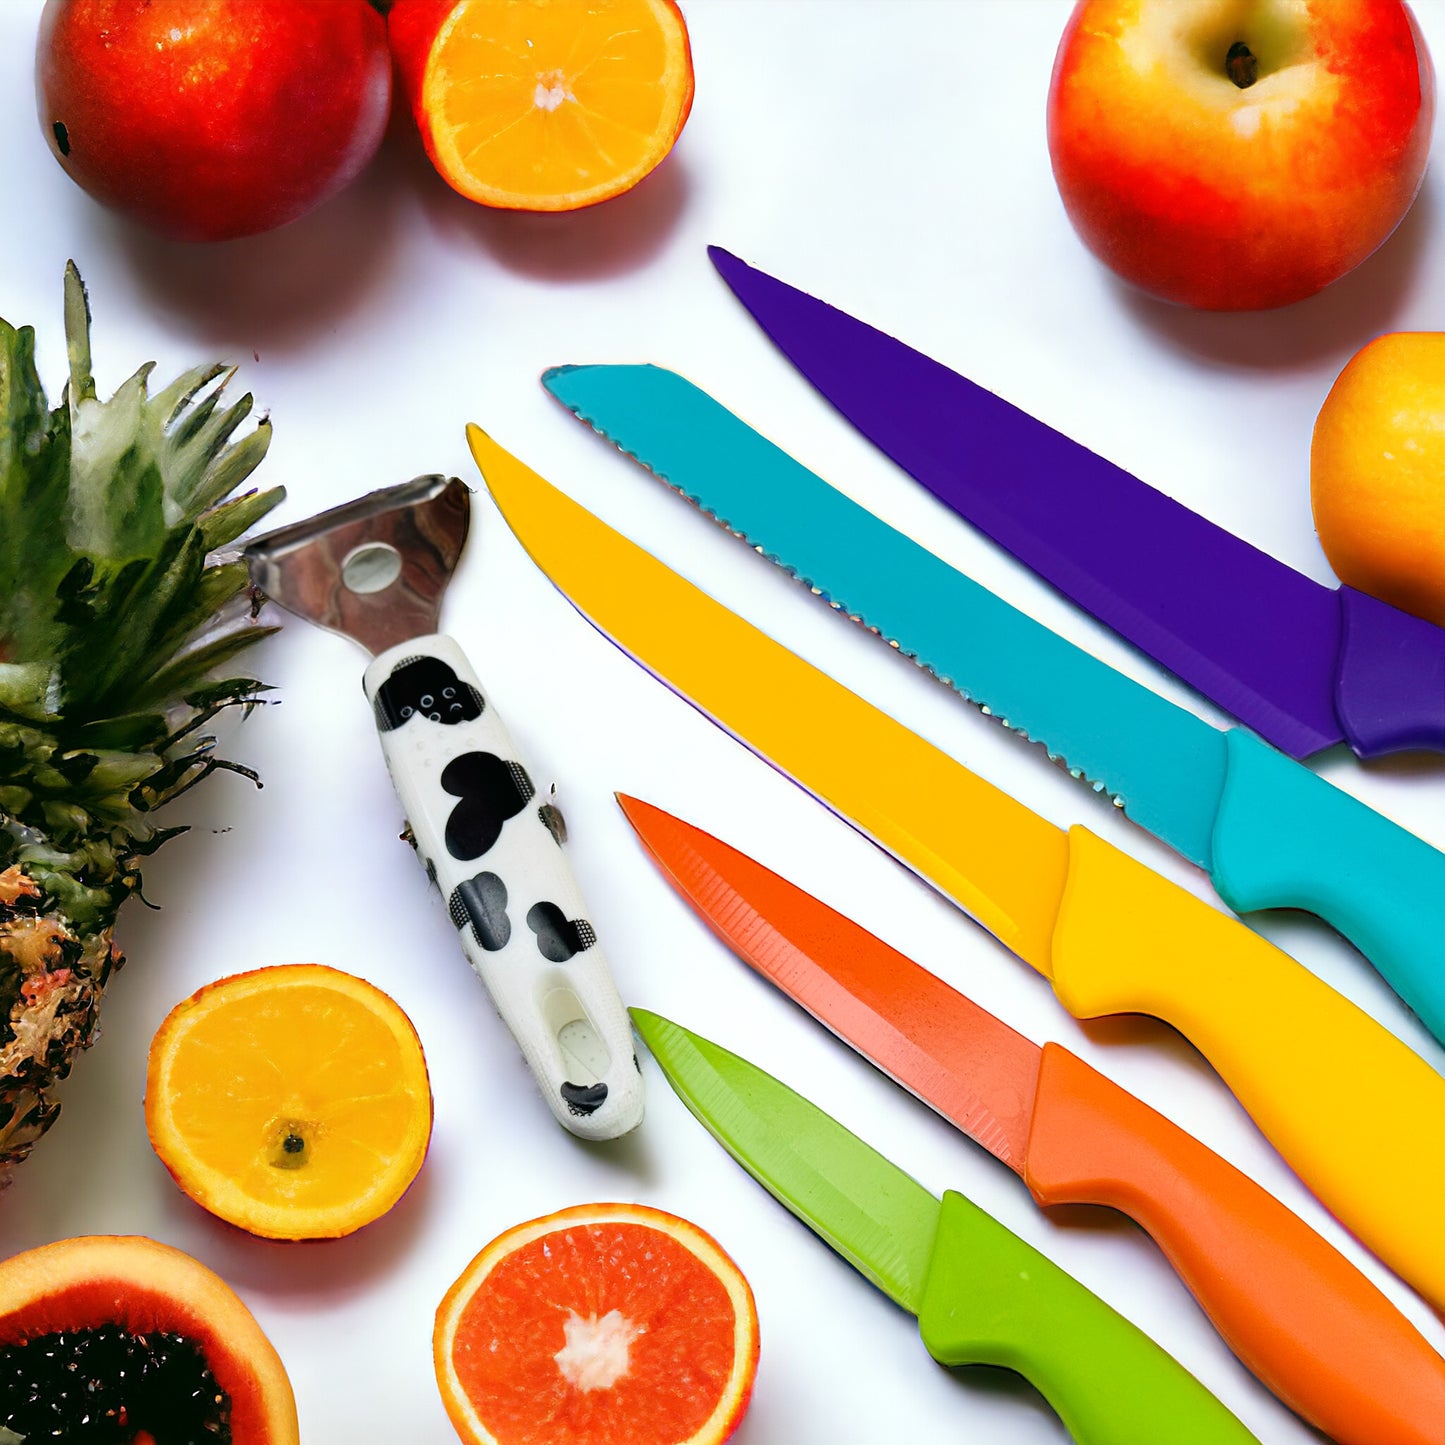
(891, 158)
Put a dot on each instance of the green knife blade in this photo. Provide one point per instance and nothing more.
(881, 1220)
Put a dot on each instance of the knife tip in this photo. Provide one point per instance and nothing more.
(496, 464)
(724, 259)
(638, 815)
(647, 1023)
(647, 819)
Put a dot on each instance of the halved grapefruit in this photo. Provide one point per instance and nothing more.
(603, 1324)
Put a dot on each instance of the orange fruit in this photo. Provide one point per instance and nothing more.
(1377, 472)
(291, 1101)
(543, 105)
(604, 1324)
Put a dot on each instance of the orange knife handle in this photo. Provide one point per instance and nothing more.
(1294, 1310)
(1358, 1116)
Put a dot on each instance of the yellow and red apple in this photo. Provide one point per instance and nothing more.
(1238, 154)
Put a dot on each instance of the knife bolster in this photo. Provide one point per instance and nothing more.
(1390, 681)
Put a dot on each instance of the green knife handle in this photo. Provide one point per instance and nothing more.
(991, 1299)
(1290, 1305)
(1286, 838)
(1358, 1116)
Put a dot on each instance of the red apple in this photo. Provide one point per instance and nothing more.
(1238, 154)
(207, 119)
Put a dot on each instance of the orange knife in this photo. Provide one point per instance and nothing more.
(1299, 1315)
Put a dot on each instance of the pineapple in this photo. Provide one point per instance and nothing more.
(115, 614)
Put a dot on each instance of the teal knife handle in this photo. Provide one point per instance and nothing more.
(991, 1299)
(1286, 838)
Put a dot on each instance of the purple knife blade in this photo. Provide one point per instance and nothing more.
(1304, 665)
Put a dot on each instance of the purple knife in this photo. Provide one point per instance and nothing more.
(1304, 665)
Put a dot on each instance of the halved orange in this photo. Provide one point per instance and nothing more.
(603, 1324)
(544, 105)
(291, 1101)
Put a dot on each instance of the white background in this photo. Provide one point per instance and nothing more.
(889, 157)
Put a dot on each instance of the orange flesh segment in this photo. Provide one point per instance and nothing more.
(544, 106)
(305, 1055)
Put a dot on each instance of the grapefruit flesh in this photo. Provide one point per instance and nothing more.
(605, 1324)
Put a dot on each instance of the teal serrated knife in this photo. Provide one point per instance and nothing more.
(982, 1296)
(1269, 832)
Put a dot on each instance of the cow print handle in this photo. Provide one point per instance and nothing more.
(491, 841)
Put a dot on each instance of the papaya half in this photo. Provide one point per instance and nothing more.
(119, 1340)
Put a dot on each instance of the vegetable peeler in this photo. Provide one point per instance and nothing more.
(374, 570)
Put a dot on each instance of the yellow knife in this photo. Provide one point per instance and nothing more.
(1359, 1117)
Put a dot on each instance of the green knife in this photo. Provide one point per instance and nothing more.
(982, 1296)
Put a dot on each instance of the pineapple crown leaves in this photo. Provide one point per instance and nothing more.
(111, 598)
(118, 604)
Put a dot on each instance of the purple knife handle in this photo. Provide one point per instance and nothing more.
(1390, 685)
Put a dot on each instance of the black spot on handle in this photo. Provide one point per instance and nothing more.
(559, 937)
(425, 687)
(482, 903)
(491, 791)
(584, 1098)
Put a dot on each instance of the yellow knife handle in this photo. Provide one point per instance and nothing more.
(1357, 1115)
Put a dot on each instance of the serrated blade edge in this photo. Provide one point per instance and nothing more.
(1164, 766)
(1254, 635)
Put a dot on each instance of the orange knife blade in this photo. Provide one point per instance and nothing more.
(954, 1055)
(1298, 1314)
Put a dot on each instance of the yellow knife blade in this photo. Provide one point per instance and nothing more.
(1000, 862)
